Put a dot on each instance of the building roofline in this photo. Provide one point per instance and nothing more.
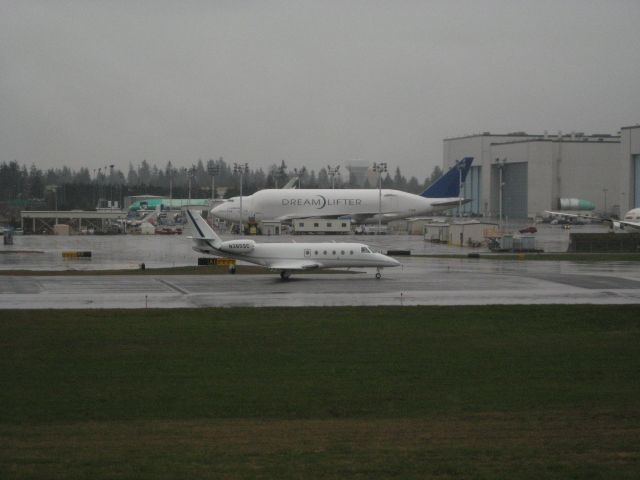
(631, 127)
(548, 136)
(589, 140)
(489, 134)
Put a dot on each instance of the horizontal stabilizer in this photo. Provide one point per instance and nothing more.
(451, 203)
(202, 238)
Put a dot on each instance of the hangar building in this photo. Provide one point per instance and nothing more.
(538, 170)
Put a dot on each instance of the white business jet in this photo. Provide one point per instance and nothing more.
(631, 219)
(286, 257)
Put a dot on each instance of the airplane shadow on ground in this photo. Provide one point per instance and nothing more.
(306, 277)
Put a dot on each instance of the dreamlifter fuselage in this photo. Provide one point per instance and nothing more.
(362, 205)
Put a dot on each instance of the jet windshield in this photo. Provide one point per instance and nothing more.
(365, 250)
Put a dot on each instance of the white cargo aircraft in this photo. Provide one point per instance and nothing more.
(362, 205)
(631, 218)
(286, 257)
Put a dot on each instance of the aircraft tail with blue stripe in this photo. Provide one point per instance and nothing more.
(203, 235)
(448, 185)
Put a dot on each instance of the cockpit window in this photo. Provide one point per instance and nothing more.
(365, 250)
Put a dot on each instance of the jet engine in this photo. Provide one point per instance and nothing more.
(238, 246)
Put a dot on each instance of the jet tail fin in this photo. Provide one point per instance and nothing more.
(448, 185)
(202, 232)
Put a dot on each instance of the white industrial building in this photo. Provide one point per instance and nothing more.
(538, 170)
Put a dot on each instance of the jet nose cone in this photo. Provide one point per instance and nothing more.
(217, 212)
(389, 262)
(393, 262)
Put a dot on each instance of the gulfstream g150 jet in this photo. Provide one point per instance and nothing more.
(362, 205)
(286, 257)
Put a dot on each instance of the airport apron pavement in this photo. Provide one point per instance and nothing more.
(421, 281)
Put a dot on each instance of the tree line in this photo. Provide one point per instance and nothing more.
(66, 189)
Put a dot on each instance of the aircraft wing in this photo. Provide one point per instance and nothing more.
(293, 265)
(624, 223)
(614, 223)
(574, 215)
(286, 218)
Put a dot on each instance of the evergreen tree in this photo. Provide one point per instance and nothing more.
(312, 181)
(435, 175)
(387, 181)
(144, 173)
(323, 179)
(37, 185)
(399, 182)
(132, 176)
(413, 186)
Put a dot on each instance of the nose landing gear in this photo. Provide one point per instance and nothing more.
(378, 274)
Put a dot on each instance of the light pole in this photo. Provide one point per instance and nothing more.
(111, 183)
(170, 172)
(332, 172)
(604, 191)
(460, 188)
(241, 170)
(500, 164)
(190, 176)
(300, 173)
(214, 170)
(380, 168)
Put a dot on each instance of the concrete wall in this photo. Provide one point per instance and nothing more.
(480, 148)
(588, 170)
(628, 187)
(558, 167)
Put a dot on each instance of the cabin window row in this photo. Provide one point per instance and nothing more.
(333, 252)
(307, 252)
(329, 224)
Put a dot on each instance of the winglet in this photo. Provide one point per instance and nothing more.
(448, 186)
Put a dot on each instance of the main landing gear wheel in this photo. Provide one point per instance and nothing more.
(378, 274)
(285, 274)
(232, 269)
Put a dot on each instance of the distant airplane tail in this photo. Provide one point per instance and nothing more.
(204, 236)
(448, 185)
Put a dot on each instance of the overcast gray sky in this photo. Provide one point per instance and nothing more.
(312, 82)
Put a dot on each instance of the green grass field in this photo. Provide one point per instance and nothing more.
(444, 392)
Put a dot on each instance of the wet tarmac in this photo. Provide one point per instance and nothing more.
(44, 252)
(421, 281)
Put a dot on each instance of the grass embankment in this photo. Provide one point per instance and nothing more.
(450, 392)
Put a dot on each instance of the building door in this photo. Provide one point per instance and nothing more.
(514, 192)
